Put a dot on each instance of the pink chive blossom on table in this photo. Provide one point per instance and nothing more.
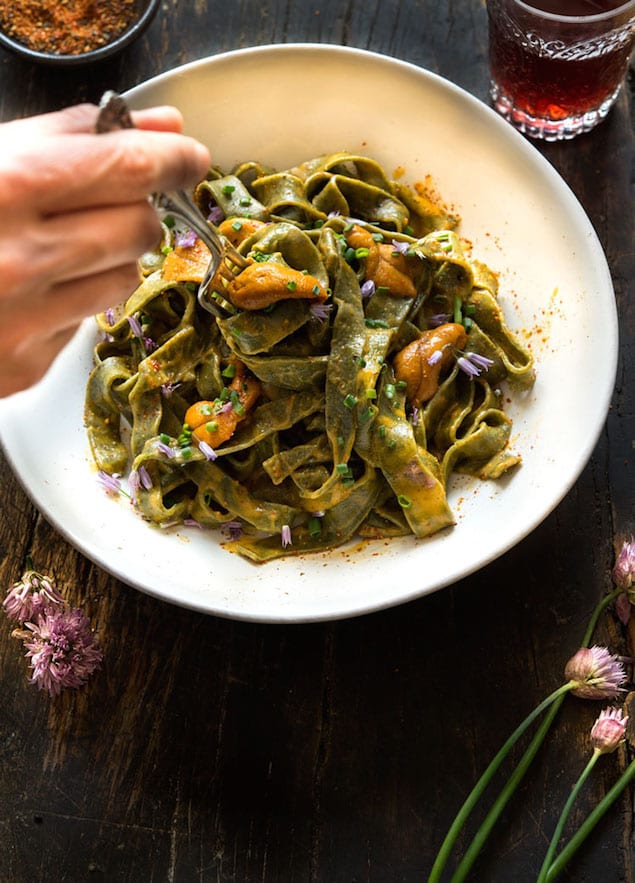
(624, 576)
(608, 730)
(62, 650)
(32, 596)
(597, 673)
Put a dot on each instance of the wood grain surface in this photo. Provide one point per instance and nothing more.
(230, 752)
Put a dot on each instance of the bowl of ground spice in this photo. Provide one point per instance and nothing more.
(71, 32)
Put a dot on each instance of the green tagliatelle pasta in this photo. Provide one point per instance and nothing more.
(336, 383)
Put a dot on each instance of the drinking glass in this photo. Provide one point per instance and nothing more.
(557, 65)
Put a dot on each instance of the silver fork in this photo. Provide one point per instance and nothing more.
(114, 114)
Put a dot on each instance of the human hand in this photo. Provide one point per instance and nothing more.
(75, 220)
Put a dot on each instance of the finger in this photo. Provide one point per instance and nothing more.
(81, 119)
(62, 306)
(34, 361)
(82, 243)
(114, 168)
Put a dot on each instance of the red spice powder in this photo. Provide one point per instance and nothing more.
(65, 27)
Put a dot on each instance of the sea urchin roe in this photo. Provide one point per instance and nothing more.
(65, 27)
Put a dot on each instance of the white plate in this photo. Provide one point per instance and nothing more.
(284, 104)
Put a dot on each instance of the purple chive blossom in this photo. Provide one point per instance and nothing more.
(135, 326)
(467, 367)
(162, 448)
(144, 477)
(624, 570)
(149, 344)
(110, 483)
(192, 522)
(473, 363)
(438, 319)
(227, 407)
(435, 357)
(368, 288)
(480, 361)
(334, 214)
(320, 311)
(34, 595)
(285, 536)
(608, 730)
(234, 529)
(401, 247)
(414, 417)
(596, 673)
(168, 388)
(110, 316)
(62, 649)
(186, 238)
(207, 450)
(216, 214)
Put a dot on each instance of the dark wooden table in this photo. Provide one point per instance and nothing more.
(212, 750)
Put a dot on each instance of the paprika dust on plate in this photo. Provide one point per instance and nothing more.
(65, 27)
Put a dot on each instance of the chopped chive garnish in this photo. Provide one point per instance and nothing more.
(408, 230)
(382, 431)
(168, 220)
(211, 426)
(245, 200)
(224, 394)
(315, 527)
(467, 323)
(317, 224)
(376, 323)
(361, 253)
(186, 453)
(361, 363)
(349, 255)
(292, 285)
(340, 441)
(378, 237)
(228, 189)
(342, 469)
(367, 415)
(206, 410)
(315, 289)
(229, 371)
(404, 502)
(383, 289)
(371, 394)
(456, 312)
(469, 310)
(348, 228)
(239, 409)
(389, 390)
(164, 438)
(350, 401)
(237, 225)
(166, 249)
(401, 384)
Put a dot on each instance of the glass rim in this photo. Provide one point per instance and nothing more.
(576, 19)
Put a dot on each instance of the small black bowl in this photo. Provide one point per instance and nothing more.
(144, 13)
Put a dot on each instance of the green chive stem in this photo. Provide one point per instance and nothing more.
(483, 782)
(564, 815)
(589, 823)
